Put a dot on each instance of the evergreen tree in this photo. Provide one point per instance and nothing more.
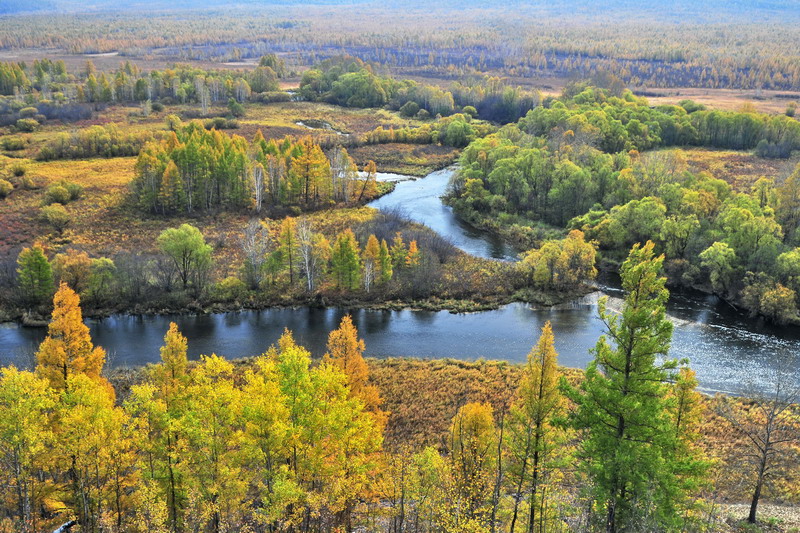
(345, 260)
(385, 263)
(627, 446)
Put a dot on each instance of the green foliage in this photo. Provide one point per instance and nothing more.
(26, 125)
(187, 249)
(628, 451)
(35, 276)
(62, 193)
(57, 216)
(5, 188)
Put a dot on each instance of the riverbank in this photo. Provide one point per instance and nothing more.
(422, 396)
(535, 298)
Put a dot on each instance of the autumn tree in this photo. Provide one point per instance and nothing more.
(369, 183)
(314, 251)
(35, 275)
(371, 262)
(346, 352)
(533, 437)
(68, 349)
(622, 412)
(26, 437)
(385, 263)
(288, 246)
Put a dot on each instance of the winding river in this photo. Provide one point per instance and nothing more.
(729, 352)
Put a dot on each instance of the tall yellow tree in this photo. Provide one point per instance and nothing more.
(68, 348)
(532, 438)
(346, 352)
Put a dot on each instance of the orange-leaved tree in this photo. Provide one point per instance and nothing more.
(68, 347)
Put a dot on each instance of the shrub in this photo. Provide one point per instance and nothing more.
(56, 194)
(236, 109)
(62, 192)
(18, 169)
(157, 107)
(409, 109)
(12, 143)
(230, 289)
(5, 188)
(423, 114)
(28, 112)
(27, 125)
(57, 216)
(469, 110)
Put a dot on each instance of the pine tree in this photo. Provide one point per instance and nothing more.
(35, 275)
(68, 349)
(627, 446)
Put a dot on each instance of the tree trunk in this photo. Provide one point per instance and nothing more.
(757, 492)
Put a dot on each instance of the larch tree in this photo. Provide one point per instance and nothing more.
(413, 256)
(346, 352)
(369, 184)
(35, 275)
(371, 261)
(288, 246)
(68, 350)
(533, 437)
(770, 425)
(385, 263)
(314, 250)
(628, 445)
(346, 260)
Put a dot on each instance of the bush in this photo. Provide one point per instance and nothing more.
(12, 143)
(62, 192)
(409, 109)
(230, 289)
(157, 107)
(28, 112)
(27, 125)
(220, 123)
(423, 114)
(236, 109)
(469, 110)
(5, 188)
(55, 215)
(18, 169)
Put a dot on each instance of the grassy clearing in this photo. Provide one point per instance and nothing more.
(739, 168)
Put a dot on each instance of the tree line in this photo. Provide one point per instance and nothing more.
(284, 443)
(349, 81)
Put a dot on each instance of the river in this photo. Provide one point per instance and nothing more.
(729, 352)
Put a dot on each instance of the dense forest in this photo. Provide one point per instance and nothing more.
(580, 162)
